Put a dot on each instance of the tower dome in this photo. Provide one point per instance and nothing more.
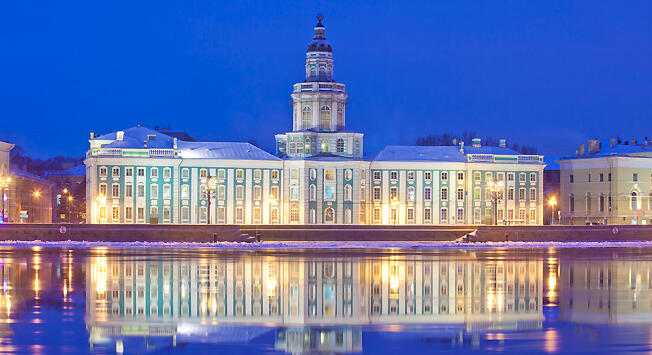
(319, 43)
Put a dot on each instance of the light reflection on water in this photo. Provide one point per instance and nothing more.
(101, 300)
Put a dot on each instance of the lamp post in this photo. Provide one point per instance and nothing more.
(552, 203)
(211, 186)
(394, 204)
(4, 184)
(101, 200)
(273, 202)
(496, 189)
(69, 199)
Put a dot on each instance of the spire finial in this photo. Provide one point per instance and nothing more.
(320, 17)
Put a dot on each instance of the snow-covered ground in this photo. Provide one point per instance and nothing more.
(329, 245)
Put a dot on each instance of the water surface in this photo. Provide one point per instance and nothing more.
(135, 299)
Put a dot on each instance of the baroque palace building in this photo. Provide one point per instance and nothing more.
(319, 174)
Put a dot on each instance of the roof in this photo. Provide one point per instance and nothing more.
(79, 170)
(419, 153)
(319, 43)
(28, 176)
(622, 150)
(552, 163)
(135, 137)
(223, 150)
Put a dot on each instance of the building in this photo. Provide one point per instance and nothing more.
(319, 174)
(69, 196)
(551, 186)
(24, 197)
(607, 182)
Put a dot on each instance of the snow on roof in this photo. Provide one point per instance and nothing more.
(419, 153)
(222, 150)
(552, 163)
(135, 137)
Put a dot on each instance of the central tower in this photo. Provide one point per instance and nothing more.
(319, 108)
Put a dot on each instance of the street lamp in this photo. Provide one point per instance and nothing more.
(394, 204)
(70, 198)
(552, 203)
(211, 186)
(4, 184)
(496, 189)
(273, 201)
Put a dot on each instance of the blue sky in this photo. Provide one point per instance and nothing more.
(545, 73)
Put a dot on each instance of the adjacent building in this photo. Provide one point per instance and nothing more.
(318, 175)
(607, 182)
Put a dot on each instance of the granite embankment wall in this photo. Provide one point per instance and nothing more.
(238, 233)
(356, 233)
(120, 232)
(562, 233)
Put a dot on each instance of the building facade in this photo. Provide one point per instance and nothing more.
(609, 182)
(319, 174)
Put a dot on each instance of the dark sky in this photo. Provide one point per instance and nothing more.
(546, 73)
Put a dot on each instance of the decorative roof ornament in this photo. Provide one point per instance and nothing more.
(320, 17)
(319, 43)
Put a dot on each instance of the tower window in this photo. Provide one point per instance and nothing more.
(325, 118)
(306, 118)
(340, 145)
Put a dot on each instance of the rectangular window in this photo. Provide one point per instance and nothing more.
(103, 189)
(393, 193)
(393, 175)
(444, 194)
(185, 173)
(460, 194)
(258, 174)
(185, 214)
(477, 194)
(477, 215)
(426, 193)
(154, 172)
(128, 213)
(510, 194)
(521, 194)
(116, 212)
(376, 215)
(377, 175)
(141, 171)
(239, 215)
(153, 211)
(221, 174)
(533, 177)
(521, 177)
(570, 178)
(167, 173)
(274, 193)
(427, 175)
(410, 175)
(257, 215)
(203, 214)
(274, 174)
(460, 215)
(185, 192)
(103, 212)
(129, 190)
(329, 174)
(601, 177)
(103, 171)
(477, 177)
(501, 176)
(203, 173)
(294, 193)
(533, 194)
(521, 214)
(444, 175)
(115, 191)
(533, 215)
(510, 215)
(329, 193)
(444, 214)
(376, 193)
(488, 176)
(239, 192)
(167, 191)
(153, 191)
(140, 213)
(635, 177)
(460, 176)
(221, 214)
(221, 192)
(239, 174)
(129, 171)
(166, 214)
(427, 214)
(510, 176)
(140, 190)
(258, 192)
(410, 214)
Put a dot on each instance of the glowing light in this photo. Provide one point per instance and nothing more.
(100, 275)
(37, 194)
(271, 287)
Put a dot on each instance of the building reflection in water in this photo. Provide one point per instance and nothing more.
(311, 304)
(607, 291)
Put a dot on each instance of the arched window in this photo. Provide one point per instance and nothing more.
(291, 150)
(325, 118)
(347, 216)
(313, 193)
(329, 215)
(322, 73)
(308, 146)
(340, 145)
(340, 118)
(571, 203)
(324, 145)
(294, 213)
(313, 72)
(306, 118)
(348, 193)
(357, 146)
(634, 204)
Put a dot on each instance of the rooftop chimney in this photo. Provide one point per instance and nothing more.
(612, 142)
(582, 149)
(476, 142)
(462, 147)
(502, 143)
(594, 146)
(454, 141)
(92, 135)
(174, 142)
(145, 144)
(120, 136)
